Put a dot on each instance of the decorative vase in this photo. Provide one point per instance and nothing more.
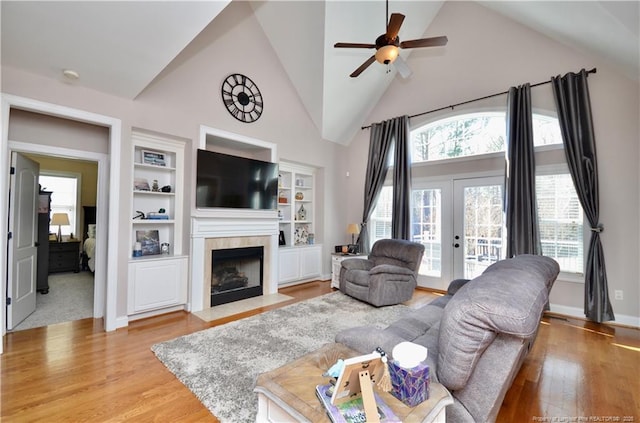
(299, 196)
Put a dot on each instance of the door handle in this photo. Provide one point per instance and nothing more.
(36, 244)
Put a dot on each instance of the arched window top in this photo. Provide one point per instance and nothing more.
(474, 134)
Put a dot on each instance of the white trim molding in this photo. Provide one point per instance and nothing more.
(622, 319)
(107, 198)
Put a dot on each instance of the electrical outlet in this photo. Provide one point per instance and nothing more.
(619, 294)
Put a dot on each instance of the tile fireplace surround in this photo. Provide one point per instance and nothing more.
(213, 230)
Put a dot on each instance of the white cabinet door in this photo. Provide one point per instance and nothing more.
(289, 265)
(157, 283)
(310, 262)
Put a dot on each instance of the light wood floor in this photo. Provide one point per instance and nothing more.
(75, 372)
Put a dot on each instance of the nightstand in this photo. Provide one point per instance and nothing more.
(336, 264)
(64, 256)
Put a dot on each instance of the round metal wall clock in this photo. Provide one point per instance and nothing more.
(242, 98)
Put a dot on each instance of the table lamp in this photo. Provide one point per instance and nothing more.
(60, 219)
(353, 229)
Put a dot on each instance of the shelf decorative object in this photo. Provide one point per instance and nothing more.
(154, 158)
(302, 235)
(149, 241)
(302, 213)
(299, 196)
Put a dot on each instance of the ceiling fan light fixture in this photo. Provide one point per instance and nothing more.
(387, 54)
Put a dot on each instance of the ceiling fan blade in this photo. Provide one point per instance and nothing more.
(395, 22)
(353, 45)
(402, 67)
(363, 66)
(425, 42)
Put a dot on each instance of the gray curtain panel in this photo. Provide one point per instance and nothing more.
(521, 211)
(383, 135)
(380, 142)
(571, 94)
(401, 211)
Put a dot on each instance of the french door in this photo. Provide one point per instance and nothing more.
(478, 225)
(460, 223)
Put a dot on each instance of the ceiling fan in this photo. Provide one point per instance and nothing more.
(388, 44)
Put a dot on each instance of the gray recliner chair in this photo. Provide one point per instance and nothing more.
(387, 277)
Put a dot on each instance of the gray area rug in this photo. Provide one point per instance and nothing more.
(70, 298)
(220, 365)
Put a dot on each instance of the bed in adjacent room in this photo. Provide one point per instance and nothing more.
(89, 248)
(89, 239)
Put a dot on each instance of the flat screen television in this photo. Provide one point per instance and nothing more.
(223, 180)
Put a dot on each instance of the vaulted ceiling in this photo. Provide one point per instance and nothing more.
(120, 47)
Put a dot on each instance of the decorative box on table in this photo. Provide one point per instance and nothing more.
(411, 386)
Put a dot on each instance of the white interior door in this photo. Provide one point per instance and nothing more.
(478, 225)
(22, 269)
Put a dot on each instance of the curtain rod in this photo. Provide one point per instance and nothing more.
(475, 99)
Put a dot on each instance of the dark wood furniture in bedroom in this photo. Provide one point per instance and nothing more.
(64, 256)
(42, 275)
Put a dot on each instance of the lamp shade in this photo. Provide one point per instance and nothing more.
(353, 229)
(60, 219)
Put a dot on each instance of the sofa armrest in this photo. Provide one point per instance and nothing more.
(357, 264)
(455, 285)
(391, 269)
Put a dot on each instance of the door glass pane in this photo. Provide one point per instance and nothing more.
(427, 229)
(482, 228)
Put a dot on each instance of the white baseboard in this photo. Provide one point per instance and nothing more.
(122, 322)
(622, 319)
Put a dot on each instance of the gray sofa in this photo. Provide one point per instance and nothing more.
(477, 336)
(387, 276)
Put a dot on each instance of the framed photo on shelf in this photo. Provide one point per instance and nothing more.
(153, 158)
(141, 184)
(150, 242)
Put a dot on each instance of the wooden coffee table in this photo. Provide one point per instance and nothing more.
(288, 393)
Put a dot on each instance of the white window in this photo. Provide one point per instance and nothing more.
(560, 215)
(380, 220)
(474, 134)
(64, 197)
(560, 218)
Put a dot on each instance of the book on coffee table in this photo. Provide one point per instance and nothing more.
(352, 411)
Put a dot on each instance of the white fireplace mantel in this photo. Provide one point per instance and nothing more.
(233, 226)
(246, 228)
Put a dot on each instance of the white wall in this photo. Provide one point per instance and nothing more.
(487, 54)
(186, 96)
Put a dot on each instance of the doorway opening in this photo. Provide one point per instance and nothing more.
(65, 282)
(105, 299)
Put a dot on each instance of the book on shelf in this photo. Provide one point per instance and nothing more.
(352, 411)
(157, 216)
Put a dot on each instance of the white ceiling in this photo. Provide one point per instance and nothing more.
(120, 47)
